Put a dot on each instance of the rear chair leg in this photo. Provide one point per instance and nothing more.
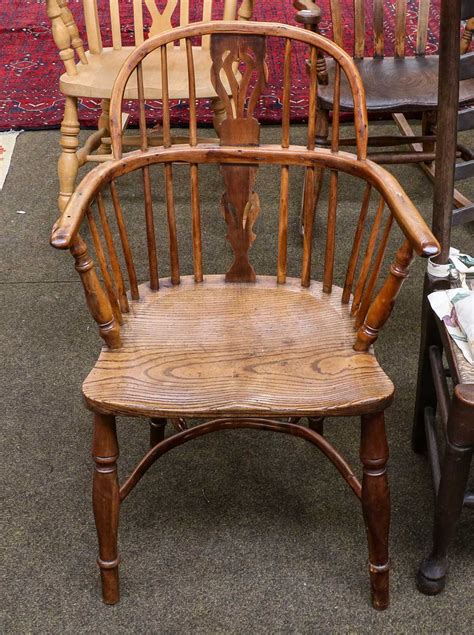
(106, 503)
(376, 504)
(157, 431)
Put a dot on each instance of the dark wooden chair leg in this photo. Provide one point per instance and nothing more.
(316, 424)
(157, 431)
(106, 503)
(425, 390)
(449, 501)
(376, 504)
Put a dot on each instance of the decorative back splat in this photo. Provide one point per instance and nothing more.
(236, 59)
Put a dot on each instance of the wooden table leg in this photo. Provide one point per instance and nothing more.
(455, 471)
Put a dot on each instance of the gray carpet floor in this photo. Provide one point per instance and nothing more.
(238, 532)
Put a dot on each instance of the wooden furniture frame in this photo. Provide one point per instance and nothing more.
(456, 411)
(399, 85)
(243, 365)
(91, 73)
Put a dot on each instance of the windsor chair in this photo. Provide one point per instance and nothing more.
(396, 84)
(91, 73)
(225, 349)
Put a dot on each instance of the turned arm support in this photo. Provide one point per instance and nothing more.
(467, 36)
(309, 16)
(61, 36)
(68, 19)
(96, 297)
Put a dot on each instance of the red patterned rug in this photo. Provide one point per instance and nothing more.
(30, 66)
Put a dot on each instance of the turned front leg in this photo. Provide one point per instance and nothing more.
(376, 504)
(106, 503)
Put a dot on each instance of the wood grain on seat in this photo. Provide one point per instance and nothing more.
(406, 84)
(96, 78)
(215, 348)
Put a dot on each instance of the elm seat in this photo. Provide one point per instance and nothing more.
(408, 84)
(96, 79)
(217, 349)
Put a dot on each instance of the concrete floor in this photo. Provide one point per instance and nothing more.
(235, 533)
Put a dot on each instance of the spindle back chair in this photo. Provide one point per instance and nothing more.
(398, 76)
(240, 350)
(91, 73)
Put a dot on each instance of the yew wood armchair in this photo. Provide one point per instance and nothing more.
(238, 350)
(90, 73)
(395, 84)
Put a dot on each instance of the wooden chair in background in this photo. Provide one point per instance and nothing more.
(223, 349)
(399, 85)
(91, 73)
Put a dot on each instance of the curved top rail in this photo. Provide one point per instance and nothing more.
(407, 216)
(241, 28)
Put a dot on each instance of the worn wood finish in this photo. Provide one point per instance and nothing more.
(169, 364)
(91, 73)
(225, 346)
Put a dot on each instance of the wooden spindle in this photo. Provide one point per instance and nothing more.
(308, 216)
(127, 252)
(336, 20)
(192, 94)
(283, 226)
(313, 99)
(109, 287)
(354, 257)
(285, 124)
(141, 108)
(183, 20)
(150, 230)
(138, 22)
(336, 109)
(378, 29)
(96, 298)
(170, 211)
(331, 233)
(400, 27)
(359, 42)
(206, 17)
(91, 17)
(368, 257)
(422, 30)
(165, 97)
(115, 24)
(196, 222)
(113, 259)
(195, 203)
(230, 10)
(367, 297)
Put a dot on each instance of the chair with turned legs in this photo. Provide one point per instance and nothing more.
(91, 73)
(223, 350)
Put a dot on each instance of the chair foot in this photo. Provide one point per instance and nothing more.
(110, 580)
(431, 576)
(379, 586)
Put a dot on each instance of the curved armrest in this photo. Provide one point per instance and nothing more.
(308, 14)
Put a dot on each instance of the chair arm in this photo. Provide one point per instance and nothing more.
(408, 218)
(308, 14)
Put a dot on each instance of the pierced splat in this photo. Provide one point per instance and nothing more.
(161, 21)
(238, 60)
